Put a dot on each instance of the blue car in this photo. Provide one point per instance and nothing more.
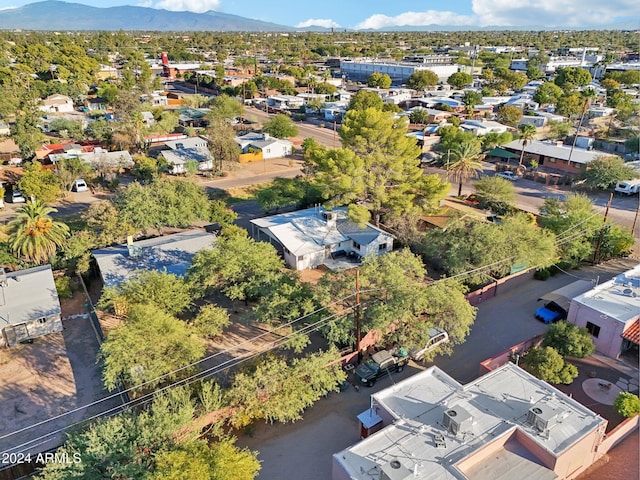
(551, 312)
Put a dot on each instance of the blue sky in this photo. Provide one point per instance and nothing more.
(387, 13)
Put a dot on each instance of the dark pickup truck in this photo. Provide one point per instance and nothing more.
(380, 364)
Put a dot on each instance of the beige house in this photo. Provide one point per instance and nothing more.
(505, 425)
(57, 104)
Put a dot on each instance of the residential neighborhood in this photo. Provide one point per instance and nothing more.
(243, 250)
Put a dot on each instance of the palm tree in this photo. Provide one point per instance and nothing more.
(465, 164)
(527, 132)
(34, 235)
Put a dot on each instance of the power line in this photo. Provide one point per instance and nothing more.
(224, 366)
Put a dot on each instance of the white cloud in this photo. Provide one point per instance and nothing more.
(552, 12)
(319, 22)
(570, 13)
(198, 6)
(145, 3)
(414, 19)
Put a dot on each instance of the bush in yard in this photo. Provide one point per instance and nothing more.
(63, 286)
(627, 404)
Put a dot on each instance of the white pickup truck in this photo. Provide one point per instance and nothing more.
(628, 187)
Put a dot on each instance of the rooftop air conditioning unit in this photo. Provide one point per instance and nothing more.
(542, 416)
(457, 420)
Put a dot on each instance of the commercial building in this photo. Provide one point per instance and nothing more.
(504, 425)
(398, 71)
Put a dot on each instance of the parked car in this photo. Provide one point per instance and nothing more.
(79, 186)
(17, 197)
(629, 187)
(437, 337)
(380, 364)
(508, 175)
(551, 312)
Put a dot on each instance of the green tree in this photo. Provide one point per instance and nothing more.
(495, 193)
(379, 80)
(569, 340)
(220, 140)
(527, 135)
(365, 99)
(152, 346)
(71, 169)
(494, 139)
(466, 245)
(465, 163)
(221, 214)
(605, 171)
(559, 130)
(627, 404)
(24, 131)
(460, 79)
(280, 126)
(211, 320)
(276, 390)
(422, 79)
(286, 192)
(162, 203)
(509, 115)
(377, 170)
(104, 222)
(219, 461)
(548, 365)
(420, 116)
(471, 99)
(163, 290)
(226, 108)
(548, 92)
(240, 267)
(569, 105)
(34, 235)
(397, 302)
(39, 183)
(571, 77)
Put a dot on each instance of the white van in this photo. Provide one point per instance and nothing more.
(628, 187)
(79, 185)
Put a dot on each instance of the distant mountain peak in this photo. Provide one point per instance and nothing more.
(59, 15)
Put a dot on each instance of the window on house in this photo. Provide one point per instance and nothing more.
(593, 329)
(42, 320)
(356, 245)
(382, 246)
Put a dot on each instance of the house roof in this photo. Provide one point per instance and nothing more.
(99, 157)
(619, 298)
(632, 333)
(501, 153)
(563, 296)
(28, 295)
(307, 231)
(182, 156)
(172, 253)
(503, 406)
(551, 150)
(188, 142)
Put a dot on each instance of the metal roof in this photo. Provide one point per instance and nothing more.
(172, 253)
(28, 295)
(551, 150)
(563, 296)
(183, 155)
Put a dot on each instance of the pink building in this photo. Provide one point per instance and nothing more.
(611, 313)
(506, 424)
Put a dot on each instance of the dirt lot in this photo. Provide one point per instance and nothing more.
(53, 375)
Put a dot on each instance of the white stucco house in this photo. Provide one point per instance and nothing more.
(57, 104)
(270, 147)
(314, 236)
(482, 127)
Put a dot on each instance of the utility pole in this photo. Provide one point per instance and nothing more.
(635, 218)
(357, 315)
(596, 249)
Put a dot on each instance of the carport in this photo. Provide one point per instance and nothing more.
(563, 296)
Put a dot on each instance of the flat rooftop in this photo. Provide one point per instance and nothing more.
(495, 407)
(618, 298)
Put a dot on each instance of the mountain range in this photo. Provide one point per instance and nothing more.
(57, 15)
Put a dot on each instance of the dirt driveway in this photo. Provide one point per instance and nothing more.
(55, 374)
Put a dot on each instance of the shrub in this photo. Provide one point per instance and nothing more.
(627, 404)
(63, 286)
(542, 274)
